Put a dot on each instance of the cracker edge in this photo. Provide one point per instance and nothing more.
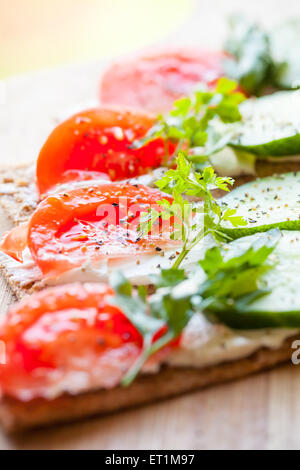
(17, 416)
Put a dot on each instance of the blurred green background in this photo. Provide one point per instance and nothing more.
(41, 33)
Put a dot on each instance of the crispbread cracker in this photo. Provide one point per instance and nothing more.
(16, 416)
(22, 280)
(19, 199)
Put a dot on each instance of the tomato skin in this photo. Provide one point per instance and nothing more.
(98, 140)
(155, 81)
(68, 229)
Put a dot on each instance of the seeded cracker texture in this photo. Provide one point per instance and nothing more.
(18, 194)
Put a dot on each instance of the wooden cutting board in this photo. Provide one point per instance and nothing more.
(261, 412)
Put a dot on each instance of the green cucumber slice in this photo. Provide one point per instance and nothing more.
(265, 203)
(270, 125)
(279, 308)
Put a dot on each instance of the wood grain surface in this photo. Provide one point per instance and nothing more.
(261, 412)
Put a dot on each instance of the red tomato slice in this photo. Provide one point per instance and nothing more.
(95, 223)
(69, 338)
(153, 82)
(97, 142)
(66, 338)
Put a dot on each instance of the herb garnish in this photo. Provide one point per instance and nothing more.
(235, 280)
(231, 282)
(185, 181)
(189, 124)
(160, 319)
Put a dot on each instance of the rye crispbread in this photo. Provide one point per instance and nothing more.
(17, 416)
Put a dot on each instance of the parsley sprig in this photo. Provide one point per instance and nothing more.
(163, 314)
(189, 122)
(191, 222)
(233, 280)
(233, 276)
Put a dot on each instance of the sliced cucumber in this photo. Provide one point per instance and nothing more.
(265, 203)
(279, 308)
(270, 125)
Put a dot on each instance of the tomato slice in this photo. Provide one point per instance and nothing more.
(98, 142)
(66, 338)
(153, 82)
(14, 242)
(92, 224)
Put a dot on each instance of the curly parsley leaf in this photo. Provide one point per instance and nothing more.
(162, 314)
(216, 259)
(236, 277)
(191, 223)
(134, 306)
(174, 307)
(168, 277)
(233, 280)
(185, 180)
(189, 122)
